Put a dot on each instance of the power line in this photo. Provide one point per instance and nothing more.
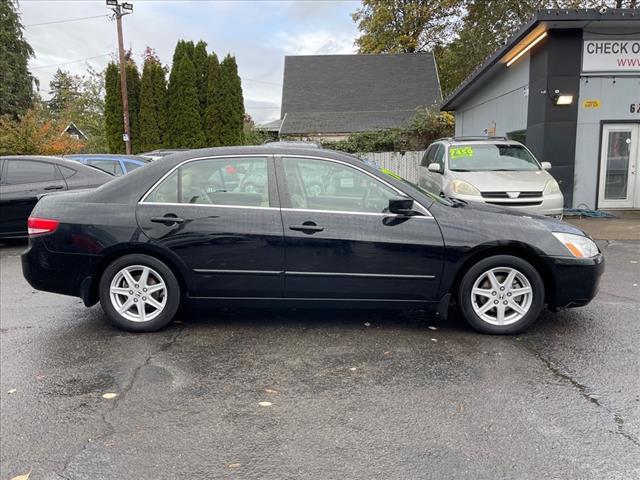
(73, 61)
(66, 20)
(261, 81)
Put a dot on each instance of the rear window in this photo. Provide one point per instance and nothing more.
(490, 157)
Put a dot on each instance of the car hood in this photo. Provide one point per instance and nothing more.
(527, 181)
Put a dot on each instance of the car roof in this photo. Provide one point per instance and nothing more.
(65, 162)
(477, 140)
(109, 156)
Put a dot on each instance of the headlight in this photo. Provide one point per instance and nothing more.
(464, 188)
(551, 187)
(579, 246)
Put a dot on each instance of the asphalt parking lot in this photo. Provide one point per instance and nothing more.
(351, 394)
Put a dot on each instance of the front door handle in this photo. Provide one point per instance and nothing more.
(306, 227)
(53, 187)
(168, 219)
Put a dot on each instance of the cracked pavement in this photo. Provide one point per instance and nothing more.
(347, 400)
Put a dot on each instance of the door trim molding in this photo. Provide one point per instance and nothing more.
(359, 275)
(312, 274)
(239, 272)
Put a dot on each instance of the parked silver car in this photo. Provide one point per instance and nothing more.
(497, 171)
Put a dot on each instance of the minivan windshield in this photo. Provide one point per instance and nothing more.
(491, 158)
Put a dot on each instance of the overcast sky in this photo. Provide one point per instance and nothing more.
(258, 33)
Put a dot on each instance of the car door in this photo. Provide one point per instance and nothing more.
(24, 180)
(221, 217)
(341, 245)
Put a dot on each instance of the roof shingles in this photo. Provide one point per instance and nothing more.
(353, 93)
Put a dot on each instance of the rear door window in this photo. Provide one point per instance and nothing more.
(30, 171)
(110, 166)
(131, 166)
(220, 181)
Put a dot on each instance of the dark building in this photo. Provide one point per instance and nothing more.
(567, 84)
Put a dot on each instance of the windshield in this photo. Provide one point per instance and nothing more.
(491, 157)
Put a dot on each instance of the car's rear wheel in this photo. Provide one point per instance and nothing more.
(501, 294)
(139, 293)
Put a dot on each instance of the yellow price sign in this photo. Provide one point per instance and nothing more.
(591, 103)
(460, 152)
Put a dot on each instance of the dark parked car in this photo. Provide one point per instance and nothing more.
(175, 232)
(116, 165)
(24, 178)
(162, 152)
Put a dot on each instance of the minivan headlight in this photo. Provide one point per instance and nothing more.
(551, 187)
(464, 188)
(579, 246)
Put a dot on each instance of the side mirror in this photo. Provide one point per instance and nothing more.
(546, 165)
(434, 167)
(401, 206)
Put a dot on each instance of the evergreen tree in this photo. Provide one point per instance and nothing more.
(153, 96)
(64, 90)
(133, 95)
(16, 86)
(184, 128)
(201, 64)
(173, 101)
(212, 118)
(113, 110)
(231, 104)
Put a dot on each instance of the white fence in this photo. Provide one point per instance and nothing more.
(406, 165)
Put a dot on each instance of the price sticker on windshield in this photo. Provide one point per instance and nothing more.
(460, 152)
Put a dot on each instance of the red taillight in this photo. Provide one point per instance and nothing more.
(41, 226)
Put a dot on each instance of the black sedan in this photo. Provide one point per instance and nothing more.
(24, 178)
(240, 226)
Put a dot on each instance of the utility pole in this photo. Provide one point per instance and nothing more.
(120, 10)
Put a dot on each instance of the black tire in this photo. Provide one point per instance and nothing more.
(476, 271)
(172, 293)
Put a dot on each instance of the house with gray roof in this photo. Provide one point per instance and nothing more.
(332, 96)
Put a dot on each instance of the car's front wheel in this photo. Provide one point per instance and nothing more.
(139, 293)
(501, 294)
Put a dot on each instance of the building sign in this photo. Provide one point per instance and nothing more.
(611, 55)
(591, 103)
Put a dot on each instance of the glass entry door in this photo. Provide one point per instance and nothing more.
(620, 166)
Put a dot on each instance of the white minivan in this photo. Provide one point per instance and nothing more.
(491, 170)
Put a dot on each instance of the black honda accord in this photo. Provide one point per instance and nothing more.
(300, 227)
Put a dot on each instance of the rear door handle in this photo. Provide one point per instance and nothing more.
(168, 220)
(306, 227)
(53, 187)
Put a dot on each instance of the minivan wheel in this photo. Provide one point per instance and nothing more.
(139, 293)
(502, 294)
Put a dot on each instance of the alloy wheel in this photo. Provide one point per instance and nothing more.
(138, 293)
(501, 296)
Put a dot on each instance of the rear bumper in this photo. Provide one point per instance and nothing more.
(575, 280)
(63, 273)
